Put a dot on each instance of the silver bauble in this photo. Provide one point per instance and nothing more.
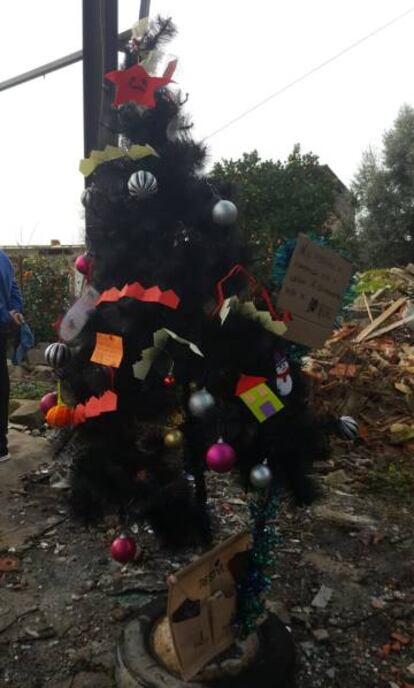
(260, 476)
(86, 197)
(142, 184)
(57, 355)
(224, 213)
(348, 427)
(200, 402)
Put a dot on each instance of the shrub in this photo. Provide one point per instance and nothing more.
(46, 286)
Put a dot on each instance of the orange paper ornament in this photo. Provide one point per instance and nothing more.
(59, 416)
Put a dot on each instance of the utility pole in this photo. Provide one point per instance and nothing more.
(100, 21)
(144, 9)
(101, 43)
(100, 55)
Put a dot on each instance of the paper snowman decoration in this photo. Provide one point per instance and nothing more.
(283, 377)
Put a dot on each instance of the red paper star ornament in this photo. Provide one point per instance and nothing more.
(137, 85)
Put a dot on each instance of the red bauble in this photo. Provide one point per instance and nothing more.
(123, 549)
(83, 264)
(169, 380)
(221, 457)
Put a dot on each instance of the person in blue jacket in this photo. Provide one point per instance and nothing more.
(11, 306)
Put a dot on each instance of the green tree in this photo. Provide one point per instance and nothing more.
(384, 188)
(280, 199)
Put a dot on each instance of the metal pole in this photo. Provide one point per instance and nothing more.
(100, 54)
(144, 9)
(110, 53)
(49, 67)
(68, 60)
(41, 71)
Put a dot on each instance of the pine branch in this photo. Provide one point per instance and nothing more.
(162, 31)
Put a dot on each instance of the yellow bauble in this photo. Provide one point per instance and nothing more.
(173, 439)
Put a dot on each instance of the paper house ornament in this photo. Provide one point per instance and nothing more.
(258, 397)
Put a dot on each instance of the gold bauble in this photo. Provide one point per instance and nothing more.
(173, 439)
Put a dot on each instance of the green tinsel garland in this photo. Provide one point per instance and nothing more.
(251, 592)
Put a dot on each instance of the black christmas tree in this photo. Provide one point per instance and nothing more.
(180, 364)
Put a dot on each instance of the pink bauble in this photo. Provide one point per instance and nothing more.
(123, 549)
(82, 264)
(221, 457)
(50, 399)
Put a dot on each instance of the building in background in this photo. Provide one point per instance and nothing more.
(341, 220)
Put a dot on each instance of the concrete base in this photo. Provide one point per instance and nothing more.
(137, 668)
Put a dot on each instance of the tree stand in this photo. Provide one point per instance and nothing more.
(138, 666)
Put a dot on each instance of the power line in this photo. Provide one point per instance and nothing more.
(310, 72)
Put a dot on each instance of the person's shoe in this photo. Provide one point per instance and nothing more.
(4, 456)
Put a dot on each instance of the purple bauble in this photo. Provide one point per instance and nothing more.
(220, 457)
(50, 399)
(82, 264)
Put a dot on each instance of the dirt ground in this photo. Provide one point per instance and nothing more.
(343, 576)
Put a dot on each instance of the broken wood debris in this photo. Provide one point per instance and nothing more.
(366, 368)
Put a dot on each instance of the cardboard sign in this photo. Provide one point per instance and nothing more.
(202, 604)
(312, 291)
(109, 350)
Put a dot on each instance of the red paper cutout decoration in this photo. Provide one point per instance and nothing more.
(254, 285)
(94, 407)
(247, 382)
(136, 291)
(170, 69)
(78, 415)
(137, 85)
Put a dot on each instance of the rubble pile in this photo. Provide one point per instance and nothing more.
(366, 369)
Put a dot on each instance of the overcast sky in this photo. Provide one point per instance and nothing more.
(233, 54)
